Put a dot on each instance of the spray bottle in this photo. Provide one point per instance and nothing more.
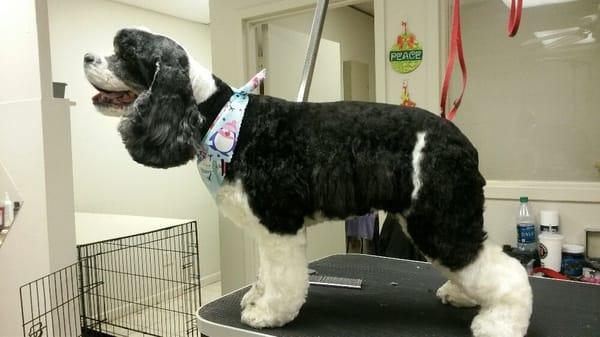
(9, 210)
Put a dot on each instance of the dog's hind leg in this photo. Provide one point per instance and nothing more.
(283, 281)
(450, 293)
(478, 273)
(499, 284)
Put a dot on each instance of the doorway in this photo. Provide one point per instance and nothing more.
(345, 68)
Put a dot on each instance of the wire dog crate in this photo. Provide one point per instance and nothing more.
(50, 305)
(146, 284)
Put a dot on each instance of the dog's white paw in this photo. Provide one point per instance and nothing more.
(253, 294)
(261, 314)
(500, 321)
(452, 294)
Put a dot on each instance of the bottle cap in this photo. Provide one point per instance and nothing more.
(573, 249)
(523, 199)
(549, 218)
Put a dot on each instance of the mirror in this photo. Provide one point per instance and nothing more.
(10, 203)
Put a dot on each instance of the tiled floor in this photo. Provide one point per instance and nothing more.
(144, 318)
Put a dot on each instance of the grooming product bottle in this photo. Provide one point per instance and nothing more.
(549, 221)
(573, 260)
(9, 213)
(526, 240)
(550, 250)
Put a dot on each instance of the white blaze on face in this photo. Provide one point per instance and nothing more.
(99, 75)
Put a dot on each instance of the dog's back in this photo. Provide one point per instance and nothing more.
(340, 159)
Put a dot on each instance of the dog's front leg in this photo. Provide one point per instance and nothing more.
(255, 292)
(282, 286)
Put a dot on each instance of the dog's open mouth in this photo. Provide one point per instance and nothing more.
(117, 99)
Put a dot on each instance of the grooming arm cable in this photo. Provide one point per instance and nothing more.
(313, 48)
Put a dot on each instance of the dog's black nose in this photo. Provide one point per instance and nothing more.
(89, 58)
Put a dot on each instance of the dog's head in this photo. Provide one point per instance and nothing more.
(147, 82)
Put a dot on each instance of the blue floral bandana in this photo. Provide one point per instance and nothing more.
(217, 147)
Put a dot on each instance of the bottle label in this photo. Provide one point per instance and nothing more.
(526, 233)
(542, 250)
(549, 229)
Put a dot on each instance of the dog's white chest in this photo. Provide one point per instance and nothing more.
(233, 204)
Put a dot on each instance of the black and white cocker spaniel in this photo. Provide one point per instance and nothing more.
(296, 164)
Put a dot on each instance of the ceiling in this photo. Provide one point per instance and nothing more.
(197, 10)
(526, 3)
(470, 2)
(366, 7)
(193, 10)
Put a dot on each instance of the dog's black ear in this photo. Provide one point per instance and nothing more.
(161, 127)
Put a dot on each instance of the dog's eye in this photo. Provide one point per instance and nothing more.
(122, 54)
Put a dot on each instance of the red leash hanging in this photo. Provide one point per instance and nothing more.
(456, 48)
(515, 17)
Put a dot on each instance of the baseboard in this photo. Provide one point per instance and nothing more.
(210, 279)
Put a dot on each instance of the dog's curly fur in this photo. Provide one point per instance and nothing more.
(295, 162)
(160, 129)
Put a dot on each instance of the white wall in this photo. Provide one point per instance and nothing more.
(24, 253)
(20, 18)
(33, 133)
(106, 179)
(352, 29)
(532, 111)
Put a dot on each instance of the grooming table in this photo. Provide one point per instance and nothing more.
(398, 299)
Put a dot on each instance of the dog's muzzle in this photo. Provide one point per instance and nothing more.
(112, 91)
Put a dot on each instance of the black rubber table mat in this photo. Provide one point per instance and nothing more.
(398, 299)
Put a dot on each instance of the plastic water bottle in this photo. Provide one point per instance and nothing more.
(526, 240)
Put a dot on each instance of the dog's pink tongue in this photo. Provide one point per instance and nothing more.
(128, 97)
(117, 98)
